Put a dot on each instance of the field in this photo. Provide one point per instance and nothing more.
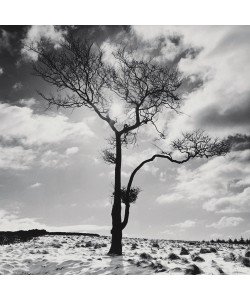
(72, 254)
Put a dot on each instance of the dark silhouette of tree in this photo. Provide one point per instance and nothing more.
(242, 241)
(146, 88)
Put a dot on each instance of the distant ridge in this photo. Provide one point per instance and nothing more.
(10, 237)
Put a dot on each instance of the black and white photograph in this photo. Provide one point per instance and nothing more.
(124, 150)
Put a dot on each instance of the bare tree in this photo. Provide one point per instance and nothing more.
(146, 88)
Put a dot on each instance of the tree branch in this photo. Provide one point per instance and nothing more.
(76, 66)
(195, 144)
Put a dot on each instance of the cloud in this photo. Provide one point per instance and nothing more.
(234, 116)
(29, 128)
(134, 159)
(221, 184)
(35, 185)
(225, 222)
(180, 227)
(239, 142)
(80, 228)
(169, 198)
(12, 222)
(169, 46)
(17, 86)
(233, 203)
(221, 104)
(53, 159)
(27, 102)
(16, 158)
(185, 224)
(1, 71)
(36, 33)
(72, 150)
(21, 125)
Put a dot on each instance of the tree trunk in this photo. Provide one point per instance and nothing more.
(116, 242)
(126, 216)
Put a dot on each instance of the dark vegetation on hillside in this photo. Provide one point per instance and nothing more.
(10, 237)
(240, 241)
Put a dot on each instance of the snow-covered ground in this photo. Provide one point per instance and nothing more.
(88, 255)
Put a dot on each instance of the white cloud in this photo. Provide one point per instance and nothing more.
(134, 159)
(80, 228)
(27, 102)
(226, 222)
(12, 222)
(35, 185)
(1, 71)
(233, 203)
(185, 224)
(180, 227)
(221, 184)
(36, 33)
(33, 129)
(22, 125)
(53, 159)
(16, 158)
(72, 150)
(169, 198)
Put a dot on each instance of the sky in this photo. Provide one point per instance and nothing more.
(51, 172)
